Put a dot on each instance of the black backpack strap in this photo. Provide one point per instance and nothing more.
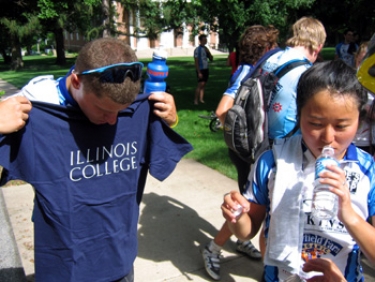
(294, 130)
(264, 58)
(261, 62)
(288, 66)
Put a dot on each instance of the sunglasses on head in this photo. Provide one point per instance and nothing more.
(117, 73)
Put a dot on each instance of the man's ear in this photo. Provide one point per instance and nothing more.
(75, 81)
(316, 52)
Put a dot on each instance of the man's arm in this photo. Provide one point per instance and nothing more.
(209, 55)
(196, 60)
(225, 104)
(13, 114)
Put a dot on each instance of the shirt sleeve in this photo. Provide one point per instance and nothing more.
(166, 149)
(261, 175)
(238, 77)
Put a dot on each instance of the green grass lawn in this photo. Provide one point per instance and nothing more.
(209, 147)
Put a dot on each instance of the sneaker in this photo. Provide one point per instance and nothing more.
(212, 263)
(248, 249)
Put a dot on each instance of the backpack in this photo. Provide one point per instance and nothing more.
(246, 123)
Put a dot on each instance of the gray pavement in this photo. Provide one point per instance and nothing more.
(8, 88)
(178, 217)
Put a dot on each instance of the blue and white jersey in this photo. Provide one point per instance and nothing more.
(88, 182)
(282, 113)
(342, 52)
(242, 71)
(201, 54)
(325, 238)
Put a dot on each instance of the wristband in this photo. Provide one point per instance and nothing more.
(175, 123)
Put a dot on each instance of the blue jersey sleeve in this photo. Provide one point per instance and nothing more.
(257, 186)
(371, 197)
(242, 71)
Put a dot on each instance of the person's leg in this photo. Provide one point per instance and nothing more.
(196, 96)
(212, 252)
(198, 92)
(243, 170)
(204, 79)
(223, 235)
(262, 242)
(201, 92)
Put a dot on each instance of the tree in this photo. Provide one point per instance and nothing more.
(358, 15)
(17, 26)
(71, 15)
(231, 17)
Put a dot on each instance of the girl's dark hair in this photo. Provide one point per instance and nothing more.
(336, 77)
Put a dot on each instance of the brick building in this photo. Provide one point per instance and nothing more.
(129, 20)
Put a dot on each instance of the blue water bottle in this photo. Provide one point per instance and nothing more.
(157, 72)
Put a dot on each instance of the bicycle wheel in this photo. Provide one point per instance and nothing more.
(205, 117)
(215, 125)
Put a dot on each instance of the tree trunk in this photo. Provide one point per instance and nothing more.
(17, 62)
(7, 59)
(60, 50)
(105, 7)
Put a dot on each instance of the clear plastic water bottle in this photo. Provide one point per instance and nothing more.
(157, 72)
(324, 204)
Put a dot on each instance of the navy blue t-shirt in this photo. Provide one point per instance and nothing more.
(88, 180)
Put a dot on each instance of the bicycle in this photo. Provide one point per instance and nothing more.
(215, 124)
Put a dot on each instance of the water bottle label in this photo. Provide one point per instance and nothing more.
(159, 74)
(321, 164)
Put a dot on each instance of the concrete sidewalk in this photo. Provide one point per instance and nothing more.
(8, 88)
(178, 217)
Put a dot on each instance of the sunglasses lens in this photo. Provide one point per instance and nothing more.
(118, 74)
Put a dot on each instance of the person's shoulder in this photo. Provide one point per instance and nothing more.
(284, 56)
(41, 88)
(266, 161)
(272, 62)
(196, 51)
(339, 44)
(364, 158)
(40, 83)
(41, 79)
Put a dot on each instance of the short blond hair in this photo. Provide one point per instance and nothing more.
(307, 32)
